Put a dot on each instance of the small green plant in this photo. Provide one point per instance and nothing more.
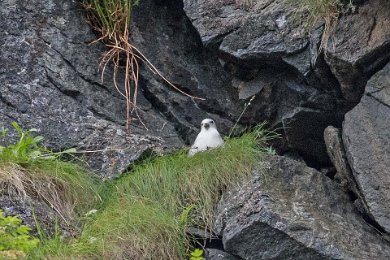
(185, 215)
(15, 238)
(197, 254)
(27, 148)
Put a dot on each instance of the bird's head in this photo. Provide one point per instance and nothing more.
(208, 123)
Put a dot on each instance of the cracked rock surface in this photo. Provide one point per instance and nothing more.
(366, 137)
(359, 46)
(50, 81)
(290, 211)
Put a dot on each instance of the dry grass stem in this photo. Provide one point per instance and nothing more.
(111, 18)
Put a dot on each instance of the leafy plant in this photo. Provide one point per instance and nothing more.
(15, 238)
(197, 254)
(27, 148)
(112, 19)
(185, 215)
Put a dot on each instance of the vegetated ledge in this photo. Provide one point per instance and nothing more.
(47, 192)
(145, 214)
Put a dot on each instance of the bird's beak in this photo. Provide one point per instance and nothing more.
(206, 126)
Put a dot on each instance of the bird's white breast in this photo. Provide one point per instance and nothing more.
(206, 139)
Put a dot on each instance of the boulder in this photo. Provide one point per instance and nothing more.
(290, 211)
(248, 29)
(359, 46)
(256, 34)
(366, 137)
(343, 175)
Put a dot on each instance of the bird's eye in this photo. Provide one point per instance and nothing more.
(211, 122)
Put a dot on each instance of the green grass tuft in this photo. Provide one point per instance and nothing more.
(326, 11)
(29, 170)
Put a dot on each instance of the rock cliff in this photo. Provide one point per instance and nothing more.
(228, 52)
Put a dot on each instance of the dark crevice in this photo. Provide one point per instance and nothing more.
(5, 101)
(165, 111)
(214, 43)
(371, 30)
(376, 60)
(213, 243)
(74, 94)
(371, 222)
(378, 100)
(104, 116)
(352, 196)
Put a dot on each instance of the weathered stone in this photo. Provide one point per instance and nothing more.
(336, 152)
(262, 26)
(366, 137)
(253, 34)
(359, 46)
(50, 81)
(290, 211)
(344, 176)
(33, 213)
(216, 254)
(215, 19)
(303, 130)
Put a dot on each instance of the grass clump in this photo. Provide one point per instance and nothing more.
(327, 11)
(29, 170)
(147, 212)
(112, 20)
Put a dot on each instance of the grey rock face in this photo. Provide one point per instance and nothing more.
(359, 46)
(216, 254)
(50, 81)
(344, 176)
(263, 45)
(336, 152)
(254, 34)
(366, 137)
(28, 209)
(246, 28)
(290, 211)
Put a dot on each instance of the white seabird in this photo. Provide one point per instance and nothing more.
(208, 138)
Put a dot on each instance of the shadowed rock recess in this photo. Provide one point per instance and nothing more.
(228, 52)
